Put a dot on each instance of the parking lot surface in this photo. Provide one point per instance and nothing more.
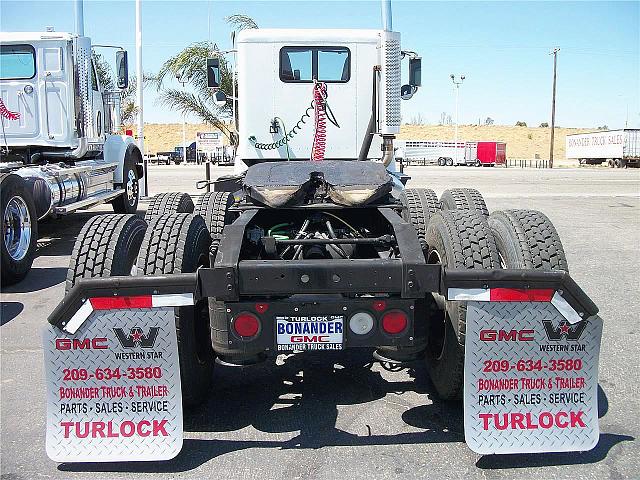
(339, 415)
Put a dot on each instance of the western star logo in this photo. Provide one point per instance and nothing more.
(564, 330)
(136, 337)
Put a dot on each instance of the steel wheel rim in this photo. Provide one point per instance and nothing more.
(132, 187)
(17, 228)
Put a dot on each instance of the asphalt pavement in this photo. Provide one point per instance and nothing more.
(339, 415)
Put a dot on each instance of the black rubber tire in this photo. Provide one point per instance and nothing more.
(179, 243)
(457, 239)
(449, 162)
(214, 208)
(106, 246)
(168, 203)
(12, 270)
(527, 239)
(124, 203)
(463, 199)
(441, 162)
(418, 205)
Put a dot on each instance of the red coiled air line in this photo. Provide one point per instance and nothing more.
(320, 133)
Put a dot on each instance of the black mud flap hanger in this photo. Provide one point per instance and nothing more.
(463, 285)
(556, 287)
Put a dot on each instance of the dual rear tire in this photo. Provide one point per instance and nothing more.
(462, 234)
(515, 239)
(179, 243)
(116, 244)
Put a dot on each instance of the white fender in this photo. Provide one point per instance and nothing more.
(115, 148)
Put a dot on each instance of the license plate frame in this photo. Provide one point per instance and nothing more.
(322, 332)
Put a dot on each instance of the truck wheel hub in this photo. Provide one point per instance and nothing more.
(17, 228)
(132, 187)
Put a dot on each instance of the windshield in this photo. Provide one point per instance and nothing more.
(17, 62)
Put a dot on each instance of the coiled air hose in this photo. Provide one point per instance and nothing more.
(322, 112)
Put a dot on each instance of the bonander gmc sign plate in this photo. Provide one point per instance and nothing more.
(113, 388)
(309, 332)
(531, 379)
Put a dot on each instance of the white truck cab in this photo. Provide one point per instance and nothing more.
(60, 145)
(279, 71)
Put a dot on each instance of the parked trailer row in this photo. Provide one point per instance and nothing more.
(619, 148)
(446, 153)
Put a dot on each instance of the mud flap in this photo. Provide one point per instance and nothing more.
(113, 386)
(530, 378)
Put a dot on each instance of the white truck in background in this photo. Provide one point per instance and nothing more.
(60, 147)
(619, 148)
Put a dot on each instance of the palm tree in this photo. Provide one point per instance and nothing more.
(190, 64)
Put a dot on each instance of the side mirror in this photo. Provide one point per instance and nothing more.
(220, 98)
(122, 69)
(213, 72)
(407, 91)
(415, 71)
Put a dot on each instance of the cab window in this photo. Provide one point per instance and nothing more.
(325, 64)
(17, 62)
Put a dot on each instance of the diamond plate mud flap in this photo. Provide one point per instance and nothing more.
(531, 379)
(113, 387)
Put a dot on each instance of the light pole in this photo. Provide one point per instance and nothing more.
(553, 105)
(183, 81)
(456, 86)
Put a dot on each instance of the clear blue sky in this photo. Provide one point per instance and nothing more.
(501, 47)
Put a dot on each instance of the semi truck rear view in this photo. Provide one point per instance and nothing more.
(316, 245)
(619, 148)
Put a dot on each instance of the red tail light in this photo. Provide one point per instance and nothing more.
(379, 305)
(246, 325)
(262, 307)
(394, 322)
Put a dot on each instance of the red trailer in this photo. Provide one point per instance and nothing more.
(485, 153)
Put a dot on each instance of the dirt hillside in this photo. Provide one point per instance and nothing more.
(522, 142)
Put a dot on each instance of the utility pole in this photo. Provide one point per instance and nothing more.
(553, 105)
(184, 81)
(456, 85)
(139, 84)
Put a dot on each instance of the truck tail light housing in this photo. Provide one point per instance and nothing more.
(394, 322)
(246, 325)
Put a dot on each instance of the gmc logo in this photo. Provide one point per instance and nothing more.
(313, 339)
(98, 343)
(506, 335)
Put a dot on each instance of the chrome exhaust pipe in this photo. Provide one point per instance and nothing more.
(78, 152)
(387, 21)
